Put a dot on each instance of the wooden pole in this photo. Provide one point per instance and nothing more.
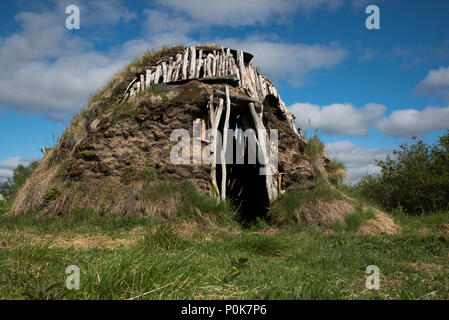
(265, 163)
(192, 62)
(185, 63)
(225, 142)
(214, 116)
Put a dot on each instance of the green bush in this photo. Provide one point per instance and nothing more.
(416, 178)
(315, 147)
(21, 173)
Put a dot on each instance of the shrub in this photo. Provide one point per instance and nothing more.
(416, 178)
(315, 147)
(21, 173)
(336, 171)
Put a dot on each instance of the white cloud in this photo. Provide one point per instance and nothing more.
(409, 122)
(45, 68)
(358, 161)
(7, 166)
(368, 54)
(245, 13)
(437, 82)
(280, 61)
(289, 62)
(337, 118)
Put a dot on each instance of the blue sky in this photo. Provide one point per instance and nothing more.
(365, 91)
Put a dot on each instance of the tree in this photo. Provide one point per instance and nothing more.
(416, 177)
(21, 173)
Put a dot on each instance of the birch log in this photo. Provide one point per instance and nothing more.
(164, 71)
(208, 65)
(170, 68)
(130, 85)
(225, 142)
(199, 64)
(178, 66)
(192, 62)
(148, 78)
(262, 85)
(241, 66)
(215, 120)
(142, 82)
(214, 65)
(157, 74)
(184, 64)
(265, 163)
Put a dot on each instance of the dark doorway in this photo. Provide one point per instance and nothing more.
(245, 187)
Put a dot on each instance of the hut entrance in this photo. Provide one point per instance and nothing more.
(245, 186)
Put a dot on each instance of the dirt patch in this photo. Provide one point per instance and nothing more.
(444, 228)
(427, 267)
(205, 231)
(86, 242)
(137, 231)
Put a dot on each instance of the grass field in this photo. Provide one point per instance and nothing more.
(137, 258)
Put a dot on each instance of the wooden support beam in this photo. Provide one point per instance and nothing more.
(142, 82)
(185, 63)
(225, 142)
(236, 97)
(214, 116)
(192, 59)
(262, 138)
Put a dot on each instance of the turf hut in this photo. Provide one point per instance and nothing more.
(117, 155)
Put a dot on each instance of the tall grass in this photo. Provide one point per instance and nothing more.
(285, 207)
(315, 147)
(293, 264)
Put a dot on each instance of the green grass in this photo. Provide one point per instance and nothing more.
(285, 207)
(158, 263)
(353, 220)
(315, 147)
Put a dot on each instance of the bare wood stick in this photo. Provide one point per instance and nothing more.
(262, 139)
(241, 66)
(252, 91)
(217, 64)
(215, 120)
(130, 84)
(208, 65)
(262, 85)
(177, 66)
(142, 82)
(192, 62)
(164, 72)
(157, 74)
(236, 97)
(148, 78)
(204, 67)
(170, 68)
(225, 142)
(199, 64)
(200, 57)
(185, 62)
(214, 65)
